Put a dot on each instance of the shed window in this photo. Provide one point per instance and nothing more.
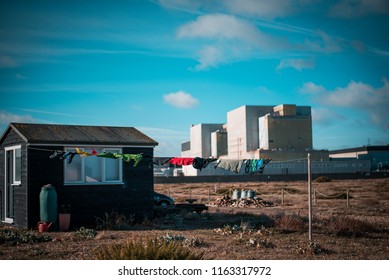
(14, 156)
(92, 169)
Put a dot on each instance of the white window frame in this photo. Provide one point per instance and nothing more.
(13, 148)
(103, 176)
(8, 220)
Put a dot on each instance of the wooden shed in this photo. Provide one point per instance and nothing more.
(92, 186)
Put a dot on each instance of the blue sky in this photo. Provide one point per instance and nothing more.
(163, 65)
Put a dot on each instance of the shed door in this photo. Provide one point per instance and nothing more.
(12, 178)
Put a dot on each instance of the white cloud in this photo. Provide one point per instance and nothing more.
(358, 96)
(220, 26)
(180, 99)
(312, 88)
(324, 44)
(296, 63)
(6, 118)
(209, 56)
(359, 8)
(325, 117)
(228, 38)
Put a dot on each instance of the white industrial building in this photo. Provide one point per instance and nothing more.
(283, 133)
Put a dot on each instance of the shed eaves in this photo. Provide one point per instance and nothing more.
(79, 134)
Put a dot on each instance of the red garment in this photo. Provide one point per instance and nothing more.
(181, 161)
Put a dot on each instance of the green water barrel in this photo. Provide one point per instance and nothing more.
(48, 204)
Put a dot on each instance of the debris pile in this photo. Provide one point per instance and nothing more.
(255, 202)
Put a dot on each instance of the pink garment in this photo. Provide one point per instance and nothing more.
(181, 161)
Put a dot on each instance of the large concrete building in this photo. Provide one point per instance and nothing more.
(253, 130)
(282, 132)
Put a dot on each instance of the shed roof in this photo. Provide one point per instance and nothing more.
(80, 134)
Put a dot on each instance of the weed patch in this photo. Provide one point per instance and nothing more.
(290, 223)
(14, 237)
(114, 221)
(347, 226)
(152, 249)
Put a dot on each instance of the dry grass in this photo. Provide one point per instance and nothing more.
(280, 232)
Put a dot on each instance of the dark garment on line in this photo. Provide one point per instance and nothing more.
(230, 165)
(161, 160)
(200, 163)
(181, 161)
(68, 156)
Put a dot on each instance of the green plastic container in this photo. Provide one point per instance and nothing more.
(48, 204)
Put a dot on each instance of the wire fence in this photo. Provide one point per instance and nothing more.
(285, 196)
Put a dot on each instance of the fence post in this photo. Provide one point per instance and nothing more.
(209, 196)
(310, 198)
(283, 197)
(348, 198)
(314, 197)
(190, 193)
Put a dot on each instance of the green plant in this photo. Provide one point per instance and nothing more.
(186, 242)
(114, 221)
(152, 249)
(17, 236)
(86, 233)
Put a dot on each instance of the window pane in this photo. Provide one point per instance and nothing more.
(73, 170)
(112, 167)
(18, 165)
(93, 168)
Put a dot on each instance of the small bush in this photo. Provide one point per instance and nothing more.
(114, 221)
(153, 249)
(10, 236)
(347, 226)
(86, 233)
(322, 179)
(290, 223)
(186, 242)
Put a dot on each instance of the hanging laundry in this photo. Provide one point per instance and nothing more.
(129, 157)
(161, 160)
(69, 157)
(125, 157)
(181, 161)
(107, 155)
(200, 163)
(256, 165)
(229, 165)
(94, 152)
(56, 154)
(82, 153)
